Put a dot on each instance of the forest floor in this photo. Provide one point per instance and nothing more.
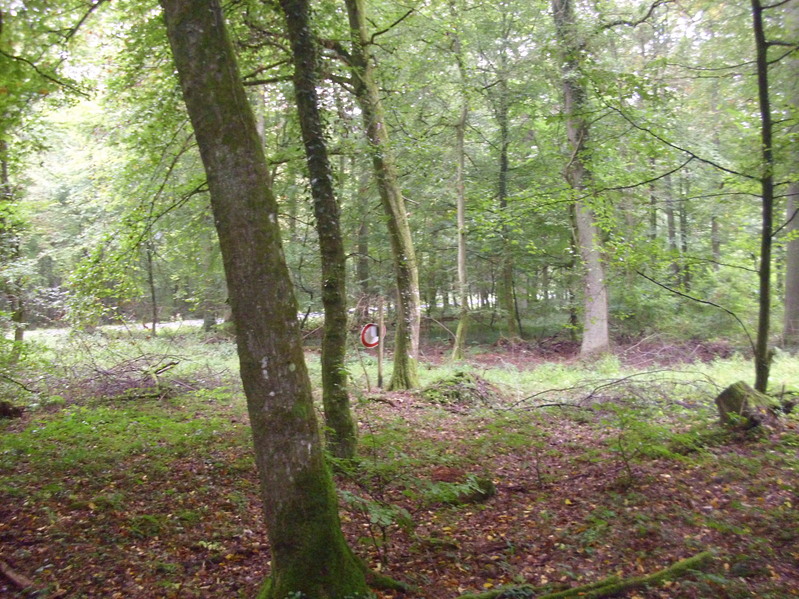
(156, 496)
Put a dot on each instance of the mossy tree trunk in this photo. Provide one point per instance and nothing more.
(762, 357)
(406, 341)
(309, 553)
(596, 337)
(341, 428)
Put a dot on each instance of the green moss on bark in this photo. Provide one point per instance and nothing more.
(310, 555)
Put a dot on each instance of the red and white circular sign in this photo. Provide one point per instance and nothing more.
(370, 335)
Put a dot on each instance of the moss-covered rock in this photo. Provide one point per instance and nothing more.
(462, 388)
(742, 407)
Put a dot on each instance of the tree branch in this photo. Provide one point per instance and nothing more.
(44, 75)
(71, 32)
(640, 21)
(786, 223)
(679, 148)
(390, 27)
(701, 301)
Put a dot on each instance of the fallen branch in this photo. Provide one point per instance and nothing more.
(20, 581)
(609, 587)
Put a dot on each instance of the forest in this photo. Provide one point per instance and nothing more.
(461, 299)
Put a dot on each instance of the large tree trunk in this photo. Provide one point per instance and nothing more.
(406, 341)
(762, 354)
(342, 435)
(595, 317)
(309, 554)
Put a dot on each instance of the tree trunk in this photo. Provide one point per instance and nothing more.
(406, 340)
(460, 196)
(595, 317)
(762, 354)
(505, 287)
(9, 252)
(362, 270)
(671, 223)
(309, 554)
(790, 331)
(149, 252)
(342, 435)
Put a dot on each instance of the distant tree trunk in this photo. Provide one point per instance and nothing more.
(790, 331)
(9, 252)
(685, 269)
(505, 286)
(671, 223)
(362, 270)
(342, 435)
(460, 195)
(715, 241)
(406, 340)
(309, 554)
(149, 252)
(762, 354)
(653, 206)
(596, 337)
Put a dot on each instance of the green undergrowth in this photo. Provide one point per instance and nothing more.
(597, 468)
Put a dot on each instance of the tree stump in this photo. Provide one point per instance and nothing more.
(742, 407)
(9, 410)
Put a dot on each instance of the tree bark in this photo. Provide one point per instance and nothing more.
(342, 434)
(309, 554)
(595, 317)
(505, 287)
(9, 252)
(460, 194)
(790, 331)
(762, 354)
(406, 341)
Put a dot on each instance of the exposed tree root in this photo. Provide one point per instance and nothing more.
(609, 587)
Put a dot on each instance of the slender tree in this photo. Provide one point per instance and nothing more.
(790, 331)
(341, 428)
(309, 554)
(460, 188)
(406, 342)
(762, 354)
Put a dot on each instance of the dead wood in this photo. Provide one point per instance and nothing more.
(20, 581)
(609, 587)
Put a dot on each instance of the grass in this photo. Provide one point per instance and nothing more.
(159, 495)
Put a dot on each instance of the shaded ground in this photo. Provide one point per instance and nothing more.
(157, 497)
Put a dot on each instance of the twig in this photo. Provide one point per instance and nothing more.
(5, 377)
